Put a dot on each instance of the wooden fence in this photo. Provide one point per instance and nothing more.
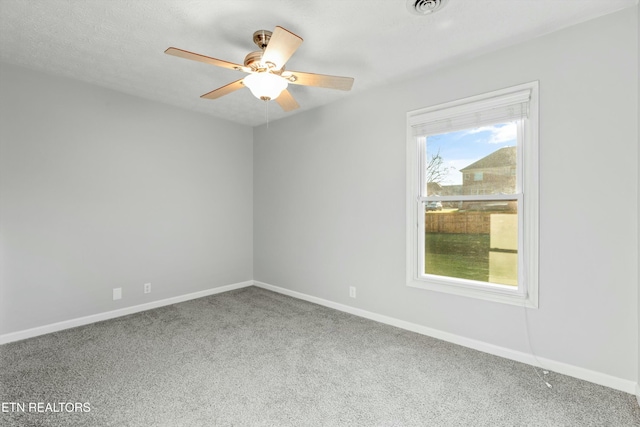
(458, 222)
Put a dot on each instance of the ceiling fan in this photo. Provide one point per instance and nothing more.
(268, 79)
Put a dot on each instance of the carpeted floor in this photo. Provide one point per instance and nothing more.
(251, 357)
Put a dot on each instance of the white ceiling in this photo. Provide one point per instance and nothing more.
(119, 44)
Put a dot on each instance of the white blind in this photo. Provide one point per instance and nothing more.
(459, 116)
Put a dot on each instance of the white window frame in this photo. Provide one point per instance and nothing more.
(526, 194)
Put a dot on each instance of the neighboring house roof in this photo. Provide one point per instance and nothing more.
(503, 157)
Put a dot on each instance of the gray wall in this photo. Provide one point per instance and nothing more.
(329, 198)
(102, 190)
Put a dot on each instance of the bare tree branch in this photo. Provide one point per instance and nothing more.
(436, 170)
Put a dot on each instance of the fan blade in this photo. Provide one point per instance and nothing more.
(224, 90)
(281, 46)
(320, 80)
(206, 59)
(286, 101)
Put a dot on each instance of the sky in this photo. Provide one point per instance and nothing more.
(462, 148)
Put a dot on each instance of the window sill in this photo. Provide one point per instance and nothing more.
(488, 293)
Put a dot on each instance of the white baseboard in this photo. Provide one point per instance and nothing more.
(548, 364)
(80, 321)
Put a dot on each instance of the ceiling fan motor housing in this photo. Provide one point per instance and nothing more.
(253, 60)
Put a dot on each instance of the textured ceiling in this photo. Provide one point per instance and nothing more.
(119, 44)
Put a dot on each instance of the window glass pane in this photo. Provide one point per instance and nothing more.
(474, 240)
(480, 160)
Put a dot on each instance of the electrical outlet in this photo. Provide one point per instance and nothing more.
(117, 293)
(352, 291)
(147, 288)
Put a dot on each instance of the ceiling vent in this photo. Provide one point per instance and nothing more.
(425, 7)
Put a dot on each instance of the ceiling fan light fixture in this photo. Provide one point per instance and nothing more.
(265, 85)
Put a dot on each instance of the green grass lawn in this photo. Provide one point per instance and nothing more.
(465, 256)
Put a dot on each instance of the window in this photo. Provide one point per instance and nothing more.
(477, 235)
